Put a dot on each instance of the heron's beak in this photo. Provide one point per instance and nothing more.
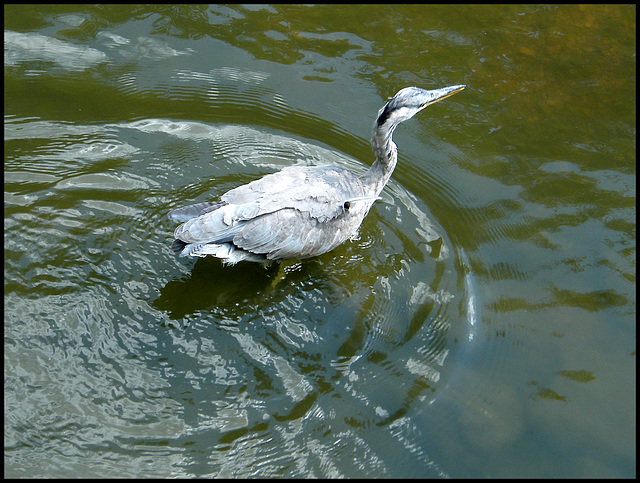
(437, 95)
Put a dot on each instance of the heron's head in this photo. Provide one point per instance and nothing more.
(408, 102)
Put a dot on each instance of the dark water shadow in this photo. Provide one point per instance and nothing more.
(209, 284)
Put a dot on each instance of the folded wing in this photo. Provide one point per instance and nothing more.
(298, 212)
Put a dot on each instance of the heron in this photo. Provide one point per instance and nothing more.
(300, 211)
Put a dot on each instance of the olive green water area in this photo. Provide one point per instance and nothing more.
(482, 323)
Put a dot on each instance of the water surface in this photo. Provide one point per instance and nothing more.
(482, 323)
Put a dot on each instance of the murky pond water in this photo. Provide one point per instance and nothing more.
(482, 323)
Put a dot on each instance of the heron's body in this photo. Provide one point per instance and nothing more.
(298, 212)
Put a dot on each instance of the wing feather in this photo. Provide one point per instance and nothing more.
(291, 234)
(320, 191)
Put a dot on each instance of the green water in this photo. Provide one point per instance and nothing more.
(482, 323)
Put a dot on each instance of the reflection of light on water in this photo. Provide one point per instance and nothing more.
(31, 47)
(421, 293)
(426, 370)
(296, 385)
(469, 285)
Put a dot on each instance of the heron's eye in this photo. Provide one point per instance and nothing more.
(347, 204)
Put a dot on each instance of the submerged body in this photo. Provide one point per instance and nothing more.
(300, 211)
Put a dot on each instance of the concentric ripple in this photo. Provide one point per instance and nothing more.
(301, 368)
(356, 338)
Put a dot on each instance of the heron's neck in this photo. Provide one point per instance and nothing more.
(386, 158)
